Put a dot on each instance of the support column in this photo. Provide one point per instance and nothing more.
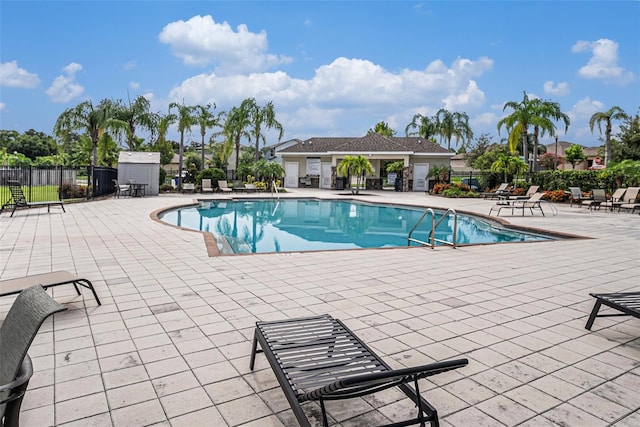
(405, 179)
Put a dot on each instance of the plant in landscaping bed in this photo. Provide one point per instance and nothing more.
(555, 196)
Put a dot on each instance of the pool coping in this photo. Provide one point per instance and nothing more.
(211, 244)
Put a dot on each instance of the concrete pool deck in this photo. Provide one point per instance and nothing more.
(170, 345)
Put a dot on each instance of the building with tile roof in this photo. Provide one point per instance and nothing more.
(313, 162)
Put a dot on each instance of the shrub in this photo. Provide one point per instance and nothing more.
(166, 188)
(214, 174)
(72, 191)
(261, 185)
(555, 195)
(163, 176)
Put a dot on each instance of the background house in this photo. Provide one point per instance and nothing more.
(590, 152)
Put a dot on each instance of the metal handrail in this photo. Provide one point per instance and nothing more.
(432, 235)
(274, 187)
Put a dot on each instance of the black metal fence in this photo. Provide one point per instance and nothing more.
(58, 183)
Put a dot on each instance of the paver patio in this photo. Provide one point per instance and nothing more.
(170, 345)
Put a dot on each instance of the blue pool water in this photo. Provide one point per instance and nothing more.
(293, 225)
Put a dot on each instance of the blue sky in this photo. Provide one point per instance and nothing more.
(331, 68)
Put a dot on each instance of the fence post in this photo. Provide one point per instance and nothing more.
(30, 183)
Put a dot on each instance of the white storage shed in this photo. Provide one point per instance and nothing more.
(141, 168)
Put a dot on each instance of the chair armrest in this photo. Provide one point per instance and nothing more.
(20, 383)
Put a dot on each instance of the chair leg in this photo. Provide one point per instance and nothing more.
(593, 315)
(254, 347)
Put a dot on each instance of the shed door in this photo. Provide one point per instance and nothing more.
(291, 174)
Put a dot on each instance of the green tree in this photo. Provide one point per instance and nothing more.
(427, 127)
(545, 113)
(108, 151)
(94, 122)
(236, 125)
(475, 150)
(259, 117)
(358, 166)
(136, 114)
(383, 128)
(454, 124)
(574, 154)
(614, 113)
(185, 120)
(7, 137)
(222, 151)
(33, 144)
(518, 122)
(509, 165)
(629, 140)
(164, 147)
(205, 119)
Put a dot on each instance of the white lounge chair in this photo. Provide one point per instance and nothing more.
(222, 186)
(206, 186)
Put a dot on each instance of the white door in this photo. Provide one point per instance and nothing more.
(291, 174)
(420, 173)
(325, 177)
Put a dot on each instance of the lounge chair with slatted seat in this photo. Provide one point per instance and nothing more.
(318, 359)
(206, 186)
(576, 197)
(18, 200)
(615, 200)
(30, 309)
(47, 280)
(627, 303)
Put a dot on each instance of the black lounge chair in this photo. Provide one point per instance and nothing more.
(626, 302)
(30, 309)
(47, 280)
(19, 201)
(320, 359)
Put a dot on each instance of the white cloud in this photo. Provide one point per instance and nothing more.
(13, 76)
(130, 65)
(3, 106)
(581, 112)
(557, 89)
(202, 41)
(64, 88)
(604, 62)
(355, 88)
(134, 85)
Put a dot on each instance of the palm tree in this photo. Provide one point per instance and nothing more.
(453, 124)
(614, 113)
(236, 124)
(205, 119)
(93, 121)
(260, 116)
(185, 121)
(358, 166)
(137, 113)
(509, 165)
(545, 113)
(427, 126)
(518, 122)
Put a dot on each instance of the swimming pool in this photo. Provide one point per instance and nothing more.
(294, 225)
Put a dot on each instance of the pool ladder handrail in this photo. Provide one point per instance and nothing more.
(274, 188)
(432, 235)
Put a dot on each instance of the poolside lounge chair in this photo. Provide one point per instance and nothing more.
(222, 186)
(250, 188)
(121, 189)
(615, 200)
(534, 202)
(47, 280)
(30, 309)
(530, 192)
(501, 191)
(575, 196)
(630, 199)
(19, 201)
(599, 197)
(319, 359)
(626, 302)
(206, 186)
